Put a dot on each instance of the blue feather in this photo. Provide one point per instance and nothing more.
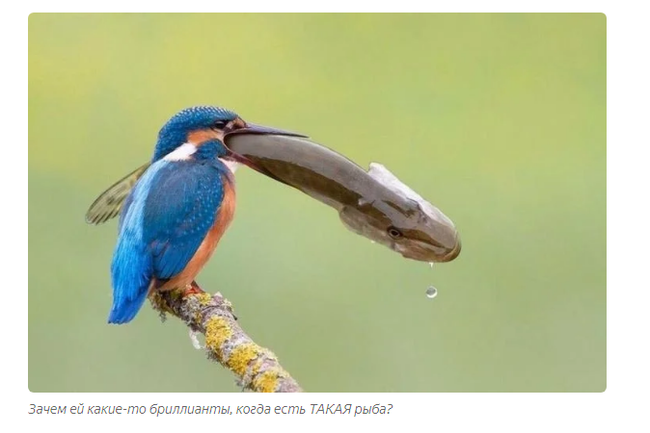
(179, 213)
(131, 266)
(164, 221)
(174, 132)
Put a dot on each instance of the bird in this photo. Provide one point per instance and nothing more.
(174, 216)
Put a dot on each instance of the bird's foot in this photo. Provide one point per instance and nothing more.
(192, 289)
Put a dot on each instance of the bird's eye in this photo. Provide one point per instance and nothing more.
(220, 124)
(394, 233)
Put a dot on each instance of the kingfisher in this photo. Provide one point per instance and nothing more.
(173, 218)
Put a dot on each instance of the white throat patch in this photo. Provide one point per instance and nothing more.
(182, 152)
(232, 165)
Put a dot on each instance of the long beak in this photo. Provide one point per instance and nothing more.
(251, 128)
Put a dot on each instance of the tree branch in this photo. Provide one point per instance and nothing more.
(256, 368)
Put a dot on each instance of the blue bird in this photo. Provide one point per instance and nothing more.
(174, 217)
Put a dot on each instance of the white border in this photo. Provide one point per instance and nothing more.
(623, 407)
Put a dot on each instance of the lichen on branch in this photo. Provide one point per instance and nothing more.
(226, 342)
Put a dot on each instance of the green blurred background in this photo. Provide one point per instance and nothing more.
(499, 120)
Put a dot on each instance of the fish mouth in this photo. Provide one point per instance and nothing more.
(425, 252)
(451, 255)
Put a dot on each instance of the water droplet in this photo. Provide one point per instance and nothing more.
(432, 292)
(431, 265)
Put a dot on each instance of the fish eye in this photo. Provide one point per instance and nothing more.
(394, 233)
(220, 124)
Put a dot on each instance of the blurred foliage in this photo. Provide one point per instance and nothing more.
(497, 119)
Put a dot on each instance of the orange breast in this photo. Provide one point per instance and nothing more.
(224, 217)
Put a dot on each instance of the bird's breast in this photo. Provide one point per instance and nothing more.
(223, 218)
(226, 210)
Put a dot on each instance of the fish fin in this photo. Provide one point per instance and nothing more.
(384, 176)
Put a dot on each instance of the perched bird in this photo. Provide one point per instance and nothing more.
(173, 218)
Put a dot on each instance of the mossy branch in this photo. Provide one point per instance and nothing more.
(256, 368)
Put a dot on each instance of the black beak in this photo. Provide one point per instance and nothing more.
(251, 128)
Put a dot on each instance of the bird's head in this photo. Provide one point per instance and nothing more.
(191, 128)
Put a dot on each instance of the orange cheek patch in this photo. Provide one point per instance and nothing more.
(202, 135)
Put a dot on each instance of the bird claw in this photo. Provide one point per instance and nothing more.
(192, 289)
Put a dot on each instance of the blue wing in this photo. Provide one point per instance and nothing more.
(164, 221)
(179, 212)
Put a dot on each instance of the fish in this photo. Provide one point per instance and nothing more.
(373, 203)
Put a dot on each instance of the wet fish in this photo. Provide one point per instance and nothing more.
(373, 203)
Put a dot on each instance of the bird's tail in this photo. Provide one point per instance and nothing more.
(131, 280)
(124, 310)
